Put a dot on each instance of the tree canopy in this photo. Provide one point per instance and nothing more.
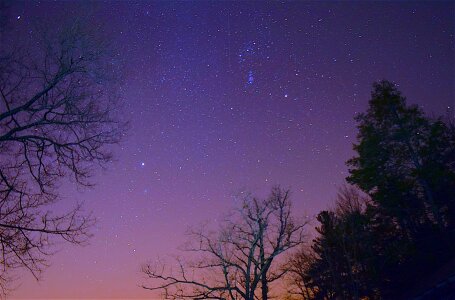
(384, 243)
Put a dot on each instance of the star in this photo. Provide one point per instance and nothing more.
(250, 77)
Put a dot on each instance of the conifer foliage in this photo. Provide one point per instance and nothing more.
(396, 223)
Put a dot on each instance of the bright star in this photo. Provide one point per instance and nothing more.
(250, 77)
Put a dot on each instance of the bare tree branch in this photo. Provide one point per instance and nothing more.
(237, 261)
(58, 114)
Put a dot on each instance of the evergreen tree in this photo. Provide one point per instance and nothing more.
(404, 163)
(342, 253)
(388, 245)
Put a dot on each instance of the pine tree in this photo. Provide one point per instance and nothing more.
(404, 163)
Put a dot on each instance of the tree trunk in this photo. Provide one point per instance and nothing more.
(264, 288)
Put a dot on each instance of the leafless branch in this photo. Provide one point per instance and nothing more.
(58, 109)
(237, 261)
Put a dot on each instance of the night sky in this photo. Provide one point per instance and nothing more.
(233, 96)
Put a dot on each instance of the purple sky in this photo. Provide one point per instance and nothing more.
(228, 96)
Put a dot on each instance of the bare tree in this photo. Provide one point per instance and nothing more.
(57, 115)
(239, 260)
(299, 282)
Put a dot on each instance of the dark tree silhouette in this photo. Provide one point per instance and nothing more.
(239, 260)
(405, 163)
(394, 154)
(337, 264)
(300, 285)
(57, 110)
(384, 246)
